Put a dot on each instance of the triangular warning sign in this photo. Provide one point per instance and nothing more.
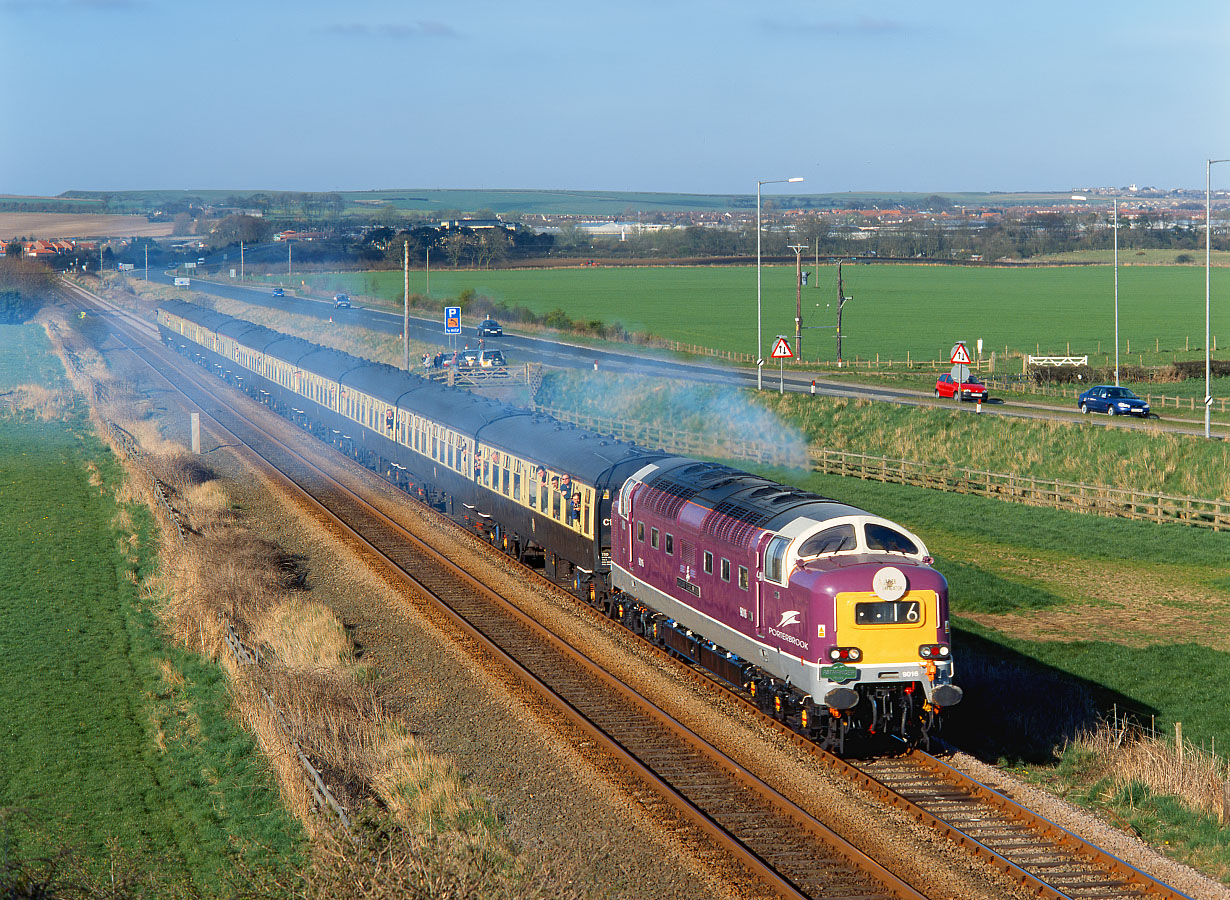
(781, 349)
(960, 356)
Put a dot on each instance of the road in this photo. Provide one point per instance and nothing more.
(561, 354)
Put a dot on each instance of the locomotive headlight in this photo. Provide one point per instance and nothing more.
(845, 654)
(835, 654)
(855, 653)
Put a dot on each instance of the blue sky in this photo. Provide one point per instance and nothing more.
(640, 95)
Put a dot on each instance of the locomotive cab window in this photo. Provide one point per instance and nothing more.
(888, 540)
(775, 560)
(837, 539)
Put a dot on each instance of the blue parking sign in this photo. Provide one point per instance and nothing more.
(452, 320)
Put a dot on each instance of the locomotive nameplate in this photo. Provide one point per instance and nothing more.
(839, 673)
(693, 589)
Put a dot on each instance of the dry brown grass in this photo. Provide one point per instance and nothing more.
(1126, 755)
(46, 404)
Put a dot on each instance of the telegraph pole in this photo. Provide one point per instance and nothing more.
(798, 298)
(841, 301)
(147, 262)
(241, 260)
(405, 316)
(288, 272)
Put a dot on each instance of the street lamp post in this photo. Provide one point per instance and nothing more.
(1116, 292)
(759, 335)
(1208, 258)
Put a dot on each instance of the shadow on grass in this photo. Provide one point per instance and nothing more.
(1020, 709)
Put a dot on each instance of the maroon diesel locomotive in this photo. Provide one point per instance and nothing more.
(825, 612)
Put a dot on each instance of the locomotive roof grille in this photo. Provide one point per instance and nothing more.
(666, 496)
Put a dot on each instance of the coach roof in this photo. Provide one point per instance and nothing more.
(562, 447)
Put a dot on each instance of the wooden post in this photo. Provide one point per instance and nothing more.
(1178, 742)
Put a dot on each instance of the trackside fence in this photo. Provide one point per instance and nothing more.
(242, 654)
(1102, 500)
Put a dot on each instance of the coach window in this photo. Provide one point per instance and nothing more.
(670, 544)
(708, 563)
(726, 570)
(507, 479)
(653, 538)
(516, 481)
(743, 577)
(587, 507)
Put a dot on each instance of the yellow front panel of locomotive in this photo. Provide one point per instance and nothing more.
(886, 641)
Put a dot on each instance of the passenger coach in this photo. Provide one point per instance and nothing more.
(525, 481)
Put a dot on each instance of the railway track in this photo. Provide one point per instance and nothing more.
(781, 845)
(787, 848)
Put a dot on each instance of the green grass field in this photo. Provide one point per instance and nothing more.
(118, 753)
(897, 309)
(25, 357)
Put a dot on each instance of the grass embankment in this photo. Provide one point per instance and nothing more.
(419, 829)
(119, 764)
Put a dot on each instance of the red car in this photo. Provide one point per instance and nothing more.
(972, 389)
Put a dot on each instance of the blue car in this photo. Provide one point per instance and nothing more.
(279, 292)
(1114, 401)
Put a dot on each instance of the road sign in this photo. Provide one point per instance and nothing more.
(452, 320)
(960, 356)
(960, 373)
(781, 349)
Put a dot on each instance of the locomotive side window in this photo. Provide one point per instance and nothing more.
(880, 537)
(837, 539)
(708, 563)
(670, 544)
(775, 560)
(743, 577)
(726, 570)
(640, 532)
(899, 612)
(653, 538)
